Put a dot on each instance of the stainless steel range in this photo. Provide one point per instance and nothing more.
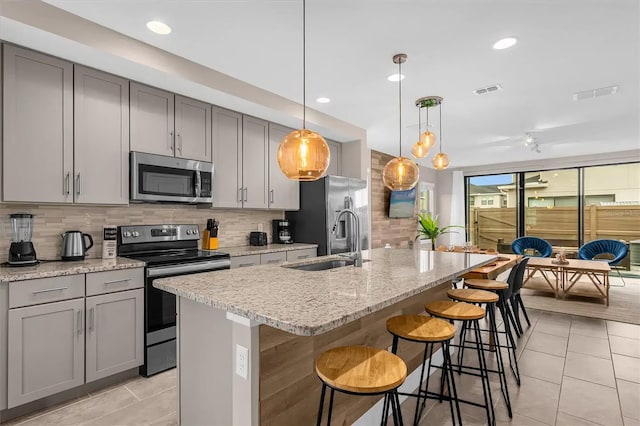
(168, 250)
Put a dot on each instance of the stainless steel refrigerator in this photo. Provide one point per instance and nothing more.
(320, 203)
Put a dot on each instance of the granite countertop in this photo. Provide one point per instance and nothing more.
(308, 303)
(49, 269)
(270, 248)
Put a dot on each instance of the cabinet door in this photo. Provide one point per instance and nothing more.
(46, 350)
(152, 120)
(255, 156)
(38, 127)
(336, 157)
(227, 158)
(101, 137)
(273, 258)
(193, 129)
(4, 313)
(114, 333)
(284, 193)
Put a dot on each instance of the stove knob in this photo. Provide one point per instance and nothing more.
(195, 232)
(127, 234)
(135, 233)
(188, 231)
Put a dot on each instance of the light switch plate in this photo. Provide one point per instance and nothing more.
(242, 361)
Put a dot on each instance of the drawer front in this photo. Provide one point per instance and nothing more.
(244, 261)
(45, 290)
(301, 254)
(273, 258)
(111, 281)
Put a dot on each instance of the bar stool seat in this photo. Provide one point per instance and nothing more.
(361, 370)
(482, 284)
(454, 310)
(472, 295)
(420, 328)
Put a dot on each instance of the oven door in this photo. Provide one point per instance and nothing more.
(160, 178)
(160, 314)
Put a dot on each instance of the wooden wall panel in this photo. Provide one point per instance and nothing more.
(397, 232)
(289, 387)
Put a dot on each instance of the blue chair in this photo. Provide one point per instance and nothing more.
(614, 248)
(542, 247)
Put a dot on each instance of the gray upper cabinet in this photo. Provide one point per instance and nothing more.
(101, 137)
(38, 127)
(114, 336)
(45, 351)
(335, 166)
(193, 129)
(152, 120)
(284, 193)
(227, 158)
(255, 156)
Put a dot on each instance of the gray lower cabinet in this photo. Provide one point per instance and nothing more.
(4, 313)
(244, 261)
(45, 350)
(114, 336)
(271, 258)
(301, 254)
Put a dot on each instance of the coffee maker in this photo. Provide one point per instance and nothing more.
(21, 251)
(282, 231)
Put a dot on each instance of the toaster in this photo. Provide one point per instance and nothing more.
(258, 238)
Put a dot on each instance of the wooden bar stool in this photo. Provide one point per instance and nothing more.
(488, 298)
(430, 331)
(503, 289)
(469, 315)
(361, 370)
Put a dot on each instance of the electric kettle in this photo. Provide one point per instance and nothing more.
(74, 246)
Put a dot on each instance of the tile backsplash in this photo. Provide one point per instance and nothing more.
(50, 221)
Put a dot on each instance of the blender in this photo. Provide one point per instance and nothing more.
(21, 251)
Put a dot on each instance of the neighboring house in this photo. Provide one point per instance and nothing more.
(486, 196)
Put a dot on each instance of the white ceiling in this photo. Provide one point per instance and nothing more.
(565, 46)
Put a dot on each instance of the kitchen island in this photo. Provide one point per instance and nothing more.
(248, 338)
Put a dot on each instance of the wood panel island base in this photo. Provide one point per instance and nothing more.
(248, 338)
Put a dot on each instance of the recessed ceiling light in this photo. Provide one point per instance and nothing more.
(323, 100)
(158, 27)
(505, 43)
(395, 77)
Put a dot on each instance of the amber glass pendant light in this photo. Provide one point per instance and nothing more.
(304, 154)
(427, 139)
(400, 173)
(440, 161)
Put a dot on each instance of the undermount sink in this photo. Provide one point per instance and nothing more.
(323, 266)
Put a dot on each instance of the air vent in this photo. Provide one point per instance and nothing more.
(488, 89)
(593, 93)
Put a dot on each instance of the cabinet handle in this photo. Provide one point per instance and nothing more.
(246, 194)
(179, 137)
(50, 290)
(79, 323)
(171, 143)
(91, 320)
(78, 184)
(273, 261)
(271, 196)
(303, 257)
(242, 265)
(117, 281)
(67, 182)
(239, 195)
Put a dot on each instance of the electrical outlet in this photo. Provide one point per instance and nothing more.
(242, 361)
(259, 227)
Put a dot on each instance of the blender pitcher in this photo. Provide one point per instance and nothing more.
(21, 251)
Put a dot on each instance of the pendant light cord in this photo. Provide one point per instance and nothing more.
(440, 109)
(400, 101)
(304, 65)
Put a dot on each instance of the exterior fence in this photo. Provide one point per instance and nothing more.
(558, 225)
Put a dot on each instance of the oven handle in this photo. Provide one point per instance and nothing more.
(188, 268)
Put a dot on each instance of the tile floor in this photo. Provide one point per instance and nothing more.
(575, 371)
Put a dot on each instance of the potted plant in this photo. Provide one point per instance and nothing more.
(428, 228)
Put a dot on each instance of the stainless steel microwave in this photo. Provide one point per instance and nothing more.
(169, 179)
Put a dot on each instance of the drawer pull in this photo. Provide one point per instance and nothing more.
(118, 281)
(245, 264)
(50, 290)
(274, 261)
(304, 256)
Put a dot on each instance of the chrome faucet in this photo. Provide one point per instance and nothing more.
(357, 254)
